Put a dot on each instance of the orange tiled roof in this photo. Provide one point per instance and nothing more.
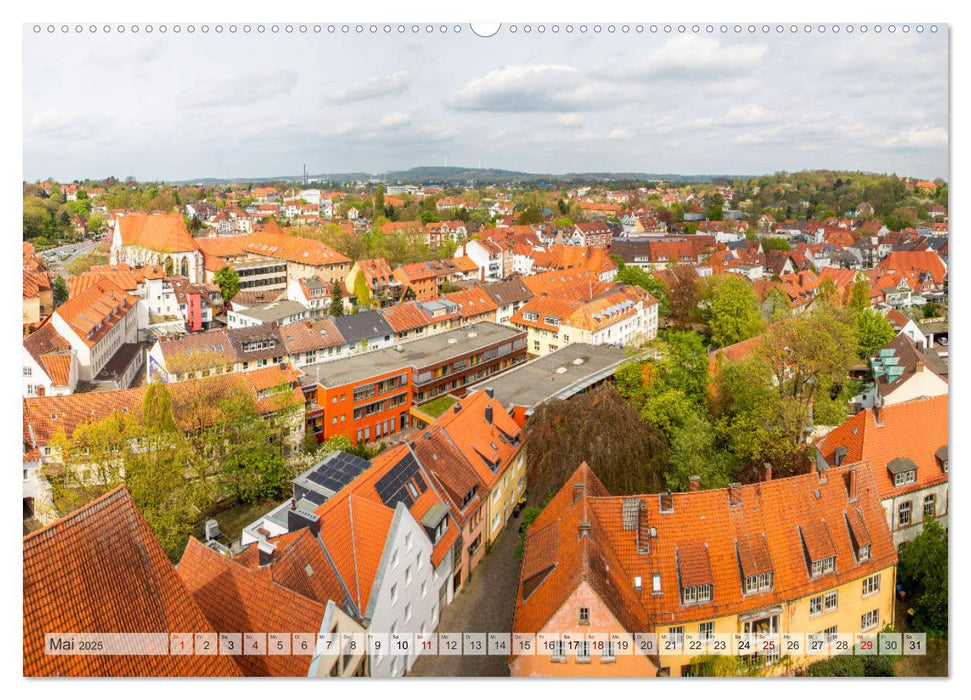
(913, 262)
(162, 232)
(472, 302)
(238, 599)
(124, 276)
(104, 303)
(480, 442)
(100, 569)
(914, 430)
(273, 242)
(47, 415)
(465, 264)
(354, 531)
(635, 538)
(310, 335)
(405, 317)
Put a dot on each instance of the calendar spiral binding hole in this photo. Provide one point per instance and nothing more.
(526, 29)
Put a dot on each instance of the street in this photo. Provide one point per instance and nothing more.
(486, 604)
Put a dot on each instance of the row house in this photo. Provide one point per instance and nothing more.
(367, 398)
(275, 312)
(569, 257)
(38, 289)
(199, 304)
(809, 554)
(438, 232)
(905, 446)
(315, 294)
(474, 305)
(595, 235)
(97, 324)
(415, 319)
(620, 316)
(487, 256)
(50, 364)
(651, 254)
(509, 297)
(383, 287)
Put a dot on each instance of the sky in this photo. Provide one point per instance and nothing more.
(181, 106)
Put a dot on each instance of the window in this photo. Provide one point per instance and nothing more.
(583, 651)
(706, 630)
(759, 582)
(904, 478)
(696, 594)
(657, 583)
(407, 575)
(823, 603)
(871, 585)
(929, 503)
(676, 634)
(609, 653)
(870, 620)
(584, 616)
(903, 514)
(863, 553)
(823, 566)
(830, 634)
(559, 650)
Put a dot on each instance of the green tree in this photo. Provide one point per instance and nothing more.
(874, 331)
(59, 290)
(858, 293)
(228, 281)
(694, 453)
(735, 313)
(336, 299)
(361, 291)
(922, 571)
(379, 199)
(635, 276)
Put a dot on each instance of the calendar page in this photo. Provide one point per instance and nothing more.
(587, 349)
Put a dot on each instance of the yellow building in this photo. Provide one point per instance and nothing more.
(808, 555)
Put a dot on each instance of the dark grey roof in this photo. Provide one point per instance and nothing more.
(901, 465)
(240, 338)
(508, 292)
(362, 326)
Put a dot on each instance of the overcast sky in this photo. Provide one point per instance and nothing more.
(189, 106)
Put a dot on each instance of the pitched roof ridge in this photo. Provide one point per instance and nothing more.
(78, 513)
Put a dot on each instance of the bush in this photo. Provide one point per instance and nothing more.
(852, 666)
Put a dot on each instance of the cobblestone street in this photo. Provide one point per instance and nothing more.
(486, 604)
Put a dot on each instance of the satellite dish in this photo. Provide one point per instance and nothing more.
(485, 29)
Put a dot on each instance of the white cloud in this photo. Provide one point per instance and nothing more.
(620, 133)
(742, 115)
(919, 137)
(695, 57)
(240, 90)
(376, 86)
(533, 88)
(569, 119)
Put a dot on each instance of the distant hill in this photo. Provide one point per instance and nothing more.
(428, 175)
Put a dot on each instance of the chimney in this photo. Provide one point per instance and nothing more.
(919, 367)
(297, 519)
(488, 414)
(694, 483)
(490, 392)
(852, 484)
(578, 489)
(734, 494)
(643, 529)
(457, 407)
(767, 472)
(266, 552)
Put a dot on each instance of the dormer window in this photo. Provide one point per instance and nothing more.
(904, 478)
(758, 583)
(863, 553)
(696, 594)
(904, 471)
(823, 566)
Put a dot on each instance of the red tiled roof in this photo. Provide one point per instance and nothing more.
(914, 430)
(354, 530)
(100, 570)
(124, 276)
(238, 599)
(472, 302)
(162, 232)
(406, 316)
(103, 303)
